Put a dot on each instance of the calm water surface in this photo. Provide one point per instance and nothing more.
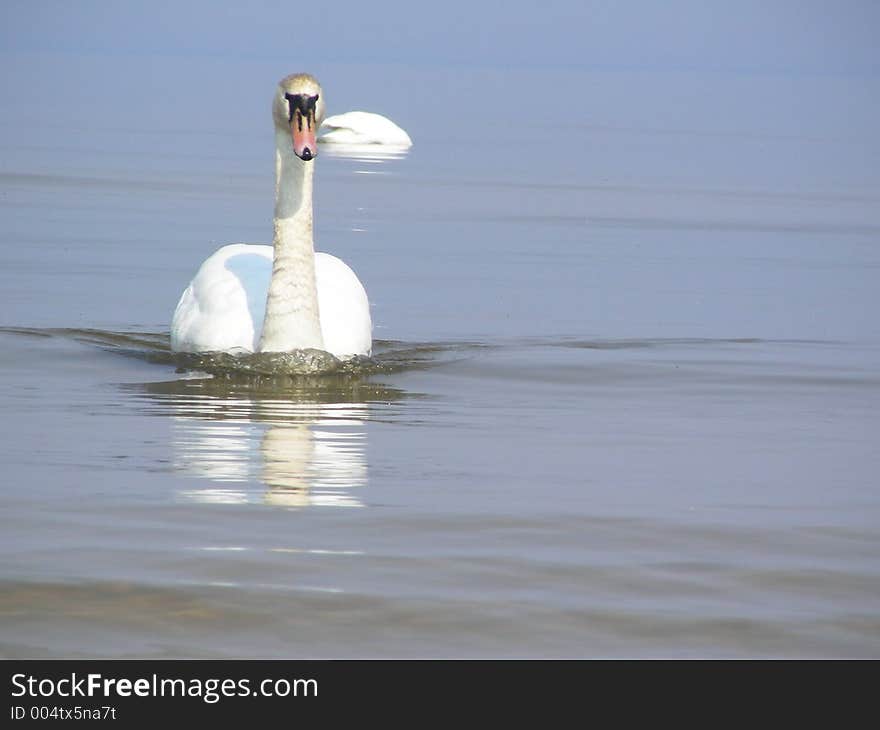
(625, 399)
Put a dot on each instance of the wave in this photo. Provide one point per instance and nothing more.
(651, 361)
(389, 356)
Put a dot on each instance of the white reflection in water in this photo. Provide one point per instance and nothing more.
(365, 152)
(303, 453)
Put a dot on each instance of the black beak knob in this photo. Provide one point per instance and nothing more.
(306, 154)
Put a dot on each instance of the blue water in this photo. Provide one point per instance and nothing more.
(627, 377)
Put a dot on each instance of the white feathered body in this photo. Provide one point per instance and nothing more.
(362, 128)
(223, 307)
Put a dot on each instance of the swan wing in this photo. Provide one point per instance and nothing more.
(223, 307)
(344, 308)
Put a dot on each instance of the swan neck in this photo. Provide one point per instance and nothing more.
(292, 320)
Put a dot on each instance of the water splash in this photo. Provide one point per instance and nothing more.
(267, 368)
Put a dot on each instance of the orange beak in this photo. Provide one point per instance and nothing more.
(302, 129)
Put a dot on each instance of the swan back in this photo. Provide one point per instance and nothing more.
(362, 128)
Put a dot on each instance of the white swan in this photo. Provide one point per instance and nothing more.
(362, 128)
(257, 298)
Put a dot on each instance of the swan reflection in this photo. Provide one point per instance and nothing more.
(291, 447)
(369, 153)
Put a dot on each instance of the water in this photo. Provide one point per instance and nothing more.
(625, 393)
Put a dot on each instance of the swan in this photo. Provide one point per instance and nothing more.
(362, 128)
(249, 298)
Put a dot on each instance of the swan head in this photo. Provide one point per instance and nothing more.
(298, 110)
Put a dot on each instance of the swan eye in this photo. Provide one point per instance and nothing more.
(303, 103)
